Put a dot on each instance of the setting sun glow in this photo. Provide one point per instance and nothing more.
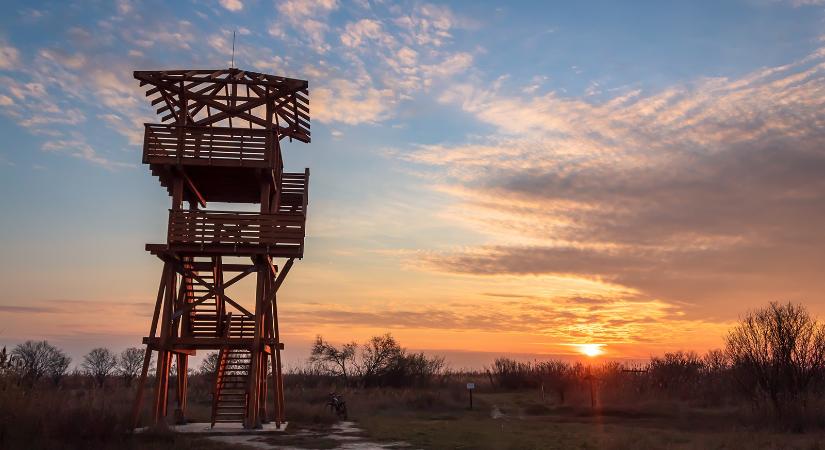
(590, 350)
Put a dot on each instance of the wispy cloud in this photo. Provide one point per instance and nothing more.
(306, 19)
(9, 57)
(81, 149)
(697, 193)
(231, 5)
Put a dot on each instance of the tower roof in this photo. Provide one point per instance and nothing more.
(230, 96)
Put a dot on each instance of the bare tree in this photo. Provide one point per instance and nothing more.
(781, 349)
(34, 359)
(57, 365)
(130, 364)
(99, 363)
(378, 355)
(715, 362)
(209, 365)
(333, 360)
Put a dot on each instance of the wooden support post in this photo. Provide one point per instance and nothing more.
(279, 379)
(164, 354)
(264, 390)
(272, 321)
(220, 305)
(266, 194)
(147, 355)
(254, 375)
(181, 387)
(177, 193)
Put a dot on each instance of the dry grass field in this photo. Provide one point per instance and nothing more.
(77, 416)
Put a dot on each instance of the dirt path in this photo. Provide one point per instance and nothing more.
(343, 435)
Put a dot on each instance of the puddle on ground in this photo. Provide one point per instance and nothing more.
(343, 435)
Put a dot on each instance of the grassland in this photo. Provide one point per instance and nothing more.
(437, 417)
(525, 422)
(629, 413)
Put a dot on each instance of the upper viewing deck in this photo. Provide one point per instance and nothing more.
(222, 129)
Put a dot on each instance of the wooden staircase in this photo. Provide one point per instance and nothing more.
(203, 319)
(231, 393)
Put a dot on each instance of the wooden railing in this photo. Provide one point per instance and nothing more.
(220, 369)
(294, 192)
(281, 230)
(210, 146)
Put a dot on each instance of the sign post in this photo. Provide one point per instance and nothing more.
(471, 387)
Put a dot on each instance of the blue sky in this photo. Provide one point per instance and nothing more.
(614, 168)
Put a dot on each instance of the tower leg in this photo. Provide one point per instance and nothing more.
(280, 379)
(275, 391)
(181, 388)
(162, 388)
(252, 419)
(276, 363)
(147, 356)
(264, 390)
(164, 354)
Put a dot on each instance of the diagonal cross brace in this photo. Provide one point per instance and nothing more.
(213, 290)
(278, 282)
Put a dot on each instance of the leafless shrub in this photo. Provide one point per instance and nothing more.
(676, 372)
(511, 374)
(381, 361)
(555, 376)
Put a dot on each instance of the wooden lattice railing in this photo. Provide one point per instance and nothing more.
(210, 146)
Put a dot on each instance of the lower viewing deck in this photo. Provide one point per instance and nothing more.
(235, 233)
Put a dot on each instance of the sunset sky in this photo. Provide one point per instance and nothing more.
(487, 177)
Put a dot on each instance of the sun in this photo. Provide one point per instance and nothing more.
(591, 350)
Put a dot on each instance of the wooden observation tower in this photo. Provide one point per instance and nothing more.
(219, 140)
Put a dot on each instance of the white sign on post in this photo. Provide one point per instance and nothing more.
(471, 386)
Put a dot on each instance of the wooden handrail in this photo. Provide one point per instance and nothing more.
(236, 227)
(220, 369)
(210, 145)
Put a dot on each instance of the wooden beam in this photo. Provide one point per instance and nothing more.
(279, 281)
(213, 291)
(207, 343)
(192, 187)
